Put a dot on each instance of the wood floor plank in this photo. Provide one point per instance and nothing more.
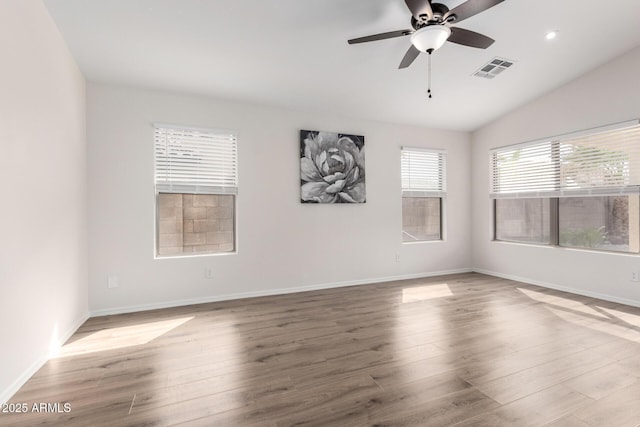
(619, 409)
(515, 386)
(631, 362)
(443, 411)
(619, 350)
(536, 409)
(485, 369)
(304, 405)
(603, 381)
(568, 421)
(464, 349)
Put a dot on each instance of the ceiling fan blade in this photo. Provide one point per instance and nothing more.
(382, 36)
(470, 8)
(419, 8)
(469, 38)
(409, 57)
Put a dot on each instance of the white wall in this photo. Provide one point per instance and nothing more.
(282, 244)
(609, 94)
(43, 226)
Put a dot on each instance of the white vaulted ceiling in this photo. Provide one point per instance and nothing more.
(294, 53)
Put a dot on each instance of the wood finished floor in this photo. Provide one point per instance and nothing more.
(463, 350)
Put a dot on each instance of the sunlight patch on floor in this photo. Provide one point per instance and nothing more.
(562, 302)
(631, 319)
(125, 336)
(609, 328)
(423, 293)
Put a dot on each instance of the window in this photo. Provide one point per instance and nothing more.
(523, 220)
(580, 190)
(423, 192)
(599, 223)
(196, 187)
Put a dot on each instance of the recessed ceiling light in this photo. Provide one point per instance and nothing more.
(551, 35)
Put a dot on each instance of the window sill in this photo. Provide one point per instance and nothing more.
(417, 242)
(195, 255)
(566, 248)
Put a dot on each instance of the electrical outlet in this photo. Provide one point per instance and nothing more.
(112, 282)
(635, 276)
(208, 273)
(397, 257)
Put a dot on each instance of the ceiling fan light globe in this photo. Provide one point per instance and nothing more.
(430, 38)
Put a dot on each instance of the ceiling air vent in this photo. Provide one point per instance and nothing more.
(493, 68)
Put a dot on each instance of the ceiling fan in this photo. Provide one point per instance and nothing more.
(431, 27)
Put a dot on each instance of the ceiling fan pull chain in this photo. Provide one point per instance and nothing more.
(429, 75)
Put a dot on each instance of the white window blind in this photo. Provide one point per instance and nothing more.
(195, 161)
(601, 161)
(423, 173)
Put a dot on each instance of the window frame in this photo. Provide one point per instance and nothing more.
(553, 223)
(229, 191)
(439, 192)
(558, 192)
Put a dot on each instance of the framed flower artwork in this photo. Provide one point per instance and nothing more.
(331, 167)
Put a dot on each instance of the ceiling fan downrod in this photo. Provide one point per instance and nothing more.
(430, 51)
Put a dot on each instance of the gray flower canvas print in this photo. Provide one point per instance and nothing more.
(331, 167)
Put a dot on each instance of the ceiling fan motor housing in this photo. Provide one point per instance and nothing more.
(439, 11)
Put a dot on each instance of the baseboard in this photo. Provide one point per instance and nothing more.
(582, 292)
(270, 292)
(38, 363)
